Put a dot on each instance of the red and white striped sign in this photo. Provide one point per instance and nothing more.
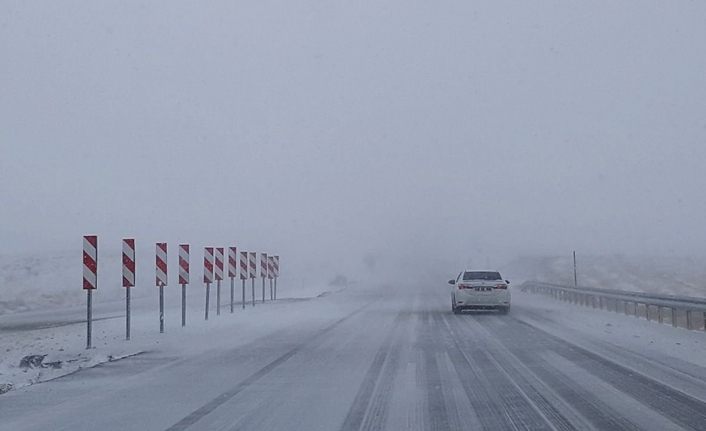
(263, 265)
(276, 266)
(270, 267)
(90, 262)
(219, 263)
(253, 264)
(232, 262)
(208, 264)
(161, 264)
(183, 263)
(243, 265)
(129, 262)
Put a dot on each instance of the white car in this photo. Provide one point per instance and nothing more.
(480, 290)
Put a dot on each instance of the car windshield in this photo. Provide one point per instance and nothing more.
(481, 275)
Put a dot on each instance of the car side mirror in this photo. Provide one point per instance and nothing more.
(452, 281)
(506, 281)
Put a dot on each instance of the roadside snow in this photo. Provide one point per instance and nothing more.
(58, 335)
(596, 328)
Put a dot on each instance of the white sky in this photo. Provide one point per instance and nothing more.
(322, 128)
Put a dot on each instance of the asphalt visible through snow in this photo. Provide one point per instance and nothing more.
(387, 360)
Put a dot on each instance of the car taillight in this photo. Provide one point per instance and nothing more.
(501, 286)
(464, 286)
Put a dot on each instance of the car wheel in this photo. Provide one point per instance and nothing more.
(504, 310)
(455, 309)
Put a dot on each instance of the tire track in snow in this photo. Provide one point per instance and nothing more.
(674, 372)
(498, 404)
(526, 350)
(367, 412)
(588, 404)
(438, 413)
(681, 408)
(551, 406)
(210, 406)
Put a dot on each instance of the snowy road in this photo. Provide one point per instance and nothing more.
(390, 360)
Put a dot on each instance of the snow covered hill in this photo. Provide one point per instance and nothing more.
(653, 274)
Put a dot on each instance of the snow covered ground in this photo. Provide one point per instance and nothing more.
(48, 319)
(55, 327)
(388, 357)
(600, 328)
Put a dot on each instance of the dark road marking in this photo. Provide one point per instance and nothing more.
(207, 408)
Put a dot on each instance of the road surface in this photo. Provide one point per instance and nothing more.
(383, 359)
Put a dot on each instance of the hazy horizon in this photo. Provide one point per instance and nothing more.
(331, 131)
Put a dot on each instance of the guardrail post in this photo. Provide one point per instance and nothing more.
(688, 319)
(659, 314)
(674, 317)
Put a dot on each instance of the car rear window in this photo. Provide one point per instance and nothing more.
(481, 275)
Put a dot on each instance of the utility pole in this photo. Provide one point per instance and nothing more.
(575, 278)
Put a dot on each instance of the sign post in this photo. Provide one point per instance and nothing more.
(128, 278)
(276, 261)
(207, 273)
(253, 273)
(232, 268)
(183, 278)
(271, 273)
(219, 277)
(243, 271)
(263, 273)
(161, 278)
(90, 279)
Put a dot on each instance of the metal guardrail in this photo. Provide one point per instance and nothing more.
(679, 311)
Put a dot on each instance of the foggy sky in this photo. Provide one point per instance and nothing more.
(327, 130)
